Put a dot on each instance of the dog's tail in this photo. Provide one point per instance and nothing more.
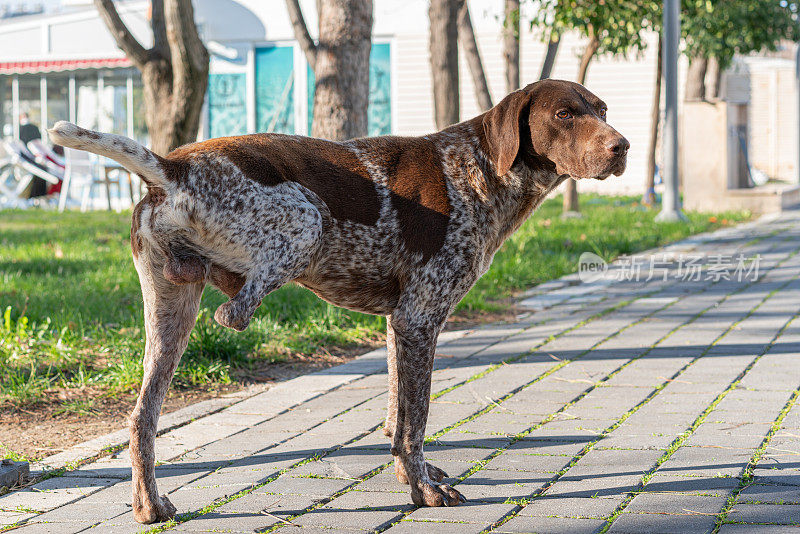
(127, 152)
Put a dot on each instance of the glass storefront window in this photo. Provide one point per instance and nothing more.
(275, 89)
(227, 104)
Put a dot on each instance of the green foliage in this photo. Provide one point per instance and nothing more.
(619, 25)
(723, 28)
(710, 28)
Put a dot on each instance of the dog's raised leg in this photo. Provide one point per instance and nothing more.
(436, 474)
(415, 341)
(170, 312)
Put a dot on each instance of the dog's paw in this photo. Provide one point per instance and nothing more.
(161, 511)
(426, 494)
(434, 473)
(232, 316)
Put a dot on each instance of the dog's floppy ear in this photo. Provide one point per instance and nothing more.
(501, 129)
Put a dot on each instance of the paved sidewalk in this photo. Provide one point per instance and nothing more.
(649, 405)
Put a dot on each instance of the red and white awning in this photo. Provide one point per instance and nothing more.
(38, 67)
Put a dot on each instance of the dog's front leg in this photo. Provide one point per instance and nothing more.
(170, 312)
(436, 474)
(415, 342)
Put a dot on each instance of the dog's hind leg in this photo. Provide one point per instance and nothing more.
(279, 252)
(170, 312)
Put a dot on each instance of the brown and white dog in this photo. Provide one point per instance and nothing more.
(395, 226)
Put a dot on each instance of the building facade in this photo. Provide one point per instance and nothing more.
(65, 65)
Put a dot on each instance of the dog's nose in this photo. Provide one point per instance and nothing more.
(618, 146)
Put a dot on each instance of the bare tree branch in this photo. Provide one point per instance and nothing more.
(550, 57)
(301, 32)
(160, 43)
(120, 32)
(185, 44)
(466, 36)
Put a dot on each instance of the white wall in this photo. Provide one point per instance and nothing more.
(626, 84)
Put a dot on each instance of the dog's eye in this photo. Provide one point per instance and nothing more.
(603, 112)
(564, 114)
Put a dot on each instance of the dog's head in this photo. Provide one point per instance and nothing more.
(556, 124)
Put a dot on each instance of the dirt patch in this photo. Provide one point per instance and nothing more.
(46, 428)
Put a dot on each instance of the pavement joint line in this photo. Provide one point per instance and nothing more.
(686, 434)
(747, 474)
(481, 465)
(590, 445)
(377, 470)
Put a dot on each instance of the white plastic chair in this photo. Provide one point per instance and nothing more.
(80, 172)
(23, 168)
(45, 156)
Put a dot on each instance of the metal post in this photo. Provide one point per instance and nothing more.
(129, 104)
(797, 79)
(43, 104)
(15, 107)
(671, 202)
(73, 100)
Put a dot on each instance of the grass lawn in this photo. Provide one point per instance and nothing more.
(71, 327)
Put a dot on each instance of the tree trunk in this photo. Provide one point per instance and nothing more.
(466, 37)
(550, 58)
(571, 205)
(649, 197)
(695, 79)
(713, 80)
(174, 71)
(511, 45)
(443, 15)
(342, 69)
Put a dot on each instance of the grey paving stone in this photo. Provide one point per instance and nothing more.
(770, 494)
(550, 525)
(653, 503)
(425, 527)
(758, 529)
(490, 485)
(594, 486)
(674, 483)
(319, 487)
(358, 510)
(278, 505)
(470, 512)
(765, 513)
(559, 506)
(527, 462)
(688, 523)
(228, 522)
(10, 517)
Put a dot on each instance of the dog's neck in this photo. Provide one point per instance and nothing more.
(504, 202)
